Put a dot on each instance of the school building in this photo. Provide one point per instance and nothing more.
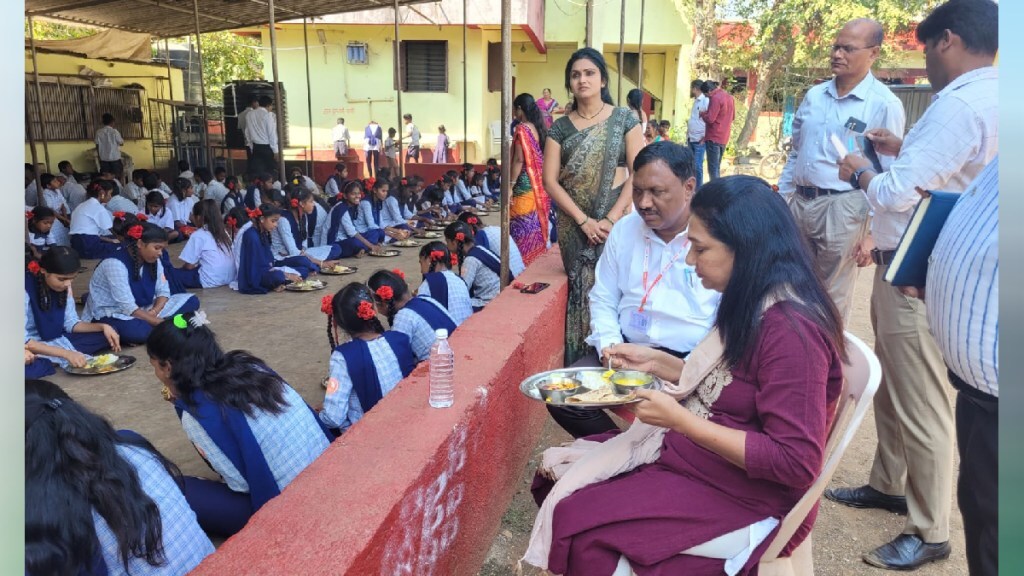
(352, 72)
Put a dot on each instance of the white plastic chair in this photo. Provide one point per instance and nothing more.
(861, 377)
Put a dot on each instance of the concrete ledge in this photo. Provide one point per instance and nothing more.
(413, 490)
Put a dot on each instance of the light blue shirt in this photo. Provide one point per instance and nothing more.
(70, 319)
(391, 214)
(962, 288)
(484, 284)
(110, 296)
(515, 257)
(459, 305)
(421, 335)
(347, 229)
(364, 220)
(341, 407)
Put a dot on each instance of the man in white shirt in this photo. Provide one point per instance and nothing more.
(341, 139)
(108, 146)
(831, 214)
(644, 292)
(261, 131)
(945, 150)
(695, 128)
(412, 133)
(243, 121)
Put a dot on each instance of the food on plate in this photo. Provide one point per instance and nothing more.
(103, 360)
(603, 395)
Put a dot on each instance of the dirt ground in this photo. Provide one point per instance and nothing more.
(840, 534)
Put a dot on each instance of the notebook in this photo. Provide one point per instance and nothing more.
(909, 266)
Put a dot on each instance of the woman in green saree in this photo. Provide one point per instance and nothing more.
(587, 160)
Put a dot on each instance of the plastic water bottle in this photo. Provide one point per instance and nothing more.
(442, 370)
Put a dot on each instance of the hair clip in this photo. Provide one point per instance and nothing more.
(135, 232)
(180, 322)
(472, 220)
(54, 403)
(436, 255)
(198, 319)
(460, 237)
(399, 273)
(231, 221)
(327, 304)
(366, 311)
(142, 216)
(119, 215)
(33, 267)
(29, 214)
(295, 202)
(295, 181)
(385, 293)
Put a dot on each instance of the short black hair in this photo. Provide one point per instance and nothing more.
(182, 165)
(62, 164)
(976, 22)
(677, 157)
(108, 118)
(220, 170)
(139, 174)
(266, 101)
(407, 116)
(698, 84)
(708, 86)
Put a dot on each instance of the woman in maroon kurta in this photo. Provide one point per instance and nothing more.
(749, 442)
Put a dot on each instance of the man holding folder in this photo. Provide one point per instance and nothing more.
(951, 143)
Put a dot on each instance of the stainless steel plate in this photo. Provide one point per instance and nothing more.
(529, 388)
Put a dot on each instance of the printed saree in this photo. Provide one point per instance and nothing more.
(528, 214)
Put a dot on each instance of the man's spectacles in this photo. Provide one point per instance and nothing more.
(844, 49)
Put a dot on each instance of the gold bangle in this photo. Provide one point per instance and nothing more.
(585, 220)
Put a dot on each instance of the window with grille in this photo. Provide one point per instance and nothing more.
(357, 53)
(424, 66)
(74, 112)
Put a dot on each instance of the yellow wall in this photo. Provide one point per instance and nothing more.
(152, 77)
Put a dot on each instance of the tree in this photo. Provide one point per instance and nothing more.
(791, 38)
(48, 30)
(226, 57)
(704, 53)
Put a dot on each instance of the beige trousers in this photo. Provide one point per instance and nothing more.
(913, 416)
(833, 225)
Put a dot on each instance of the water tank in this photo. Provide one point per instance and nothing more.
(237, 96)
(187, 60)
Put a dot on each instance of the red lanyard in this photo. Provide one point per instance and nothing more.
(647, 257)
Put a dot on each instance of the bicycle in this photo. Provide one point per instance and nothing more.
(771, 165)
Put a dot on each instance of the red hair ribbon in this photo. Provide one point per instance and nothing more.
(295, 202)
(399, 273)
(142, 216)
(775, 187)
(135, 232)
(385, 293)
(33, 267)
(459, 236)
(366, 311)
(455, 259)
(119, 215)
(254, 213)
(436, 255)
(29, 214)
(472, 221)
(327, 304)
(340, 196)
(231, 185)
(231, 221)
(405, 182)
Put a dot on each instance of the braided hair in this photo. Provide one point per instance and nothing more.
(344, 309)
(151, 233)
(433, 247)
(452, 232)
(386, 279)
(60, 260)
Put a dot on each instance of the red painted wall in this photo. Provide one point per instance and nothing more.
(432, 172)
(413, 490)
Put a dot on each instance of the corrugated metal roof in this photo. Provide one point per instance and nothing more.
(173, 18)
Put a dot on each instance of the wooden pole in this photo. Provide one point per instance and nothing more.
(35, 156)
(279, 114)
(401, 86)
(506, 124)
(465, 91)
(640, 73)
(622, 49)
(170, 81)
(589, 36)
(202, 89)
(309, 100)
(39, 105)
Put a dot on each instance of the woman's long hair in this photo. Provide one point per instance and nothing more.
(528, 105)
(236, 379)
(771, 258)
(210, 213)
(635, 101)
(72, 468)
(598, 60)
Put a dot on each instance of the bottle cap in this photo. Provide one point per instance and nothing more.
(441, 333)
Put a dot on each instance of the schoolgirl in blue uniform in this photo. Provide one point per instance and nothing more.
(259, 187)
(386, 213)
(295, 234)
(129, 290)
(490, 237)
(101, 502)
(249, 425)
(441, 284)
(368, 218)
(342, 229)
(53, 330)
(257, 271)
(367, 367)
(234, 198)
(91, 223)
(416, 316)
(478, 266)
(40, 221)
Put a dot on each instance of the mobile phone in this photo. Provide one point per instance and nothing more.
(534, 288)
(869, 153)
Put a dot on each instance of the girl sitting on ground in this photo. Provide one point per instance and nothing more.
(293, 239)
(490, 237)
(342, 230)
(478, 266)
(254, 260)
(366, 367)
(180, 203)
(40, 221)
(386, 213)
(102, 502)
(234, 198)
(416, 316)
(234, 221)
(159, 215)
(208, 260)
(249, 425)
(441, 284)
(53, 330)
(129, 290)
(91, 223)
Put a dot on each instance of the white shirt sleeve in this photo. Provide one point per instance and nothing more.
(605, 296)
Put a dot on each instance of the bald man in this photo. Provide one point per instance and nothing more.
(831, 213)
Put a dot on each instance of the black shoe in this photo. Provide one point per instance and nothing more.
(867, 497)
(907, 552)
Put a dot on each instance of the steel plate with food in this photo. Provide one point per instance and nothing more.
(435, 228)
(427, 235)
(587, 387)
(385, 253)
(103, 364)
(306, 286)
(339, 270)
(408, 243)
